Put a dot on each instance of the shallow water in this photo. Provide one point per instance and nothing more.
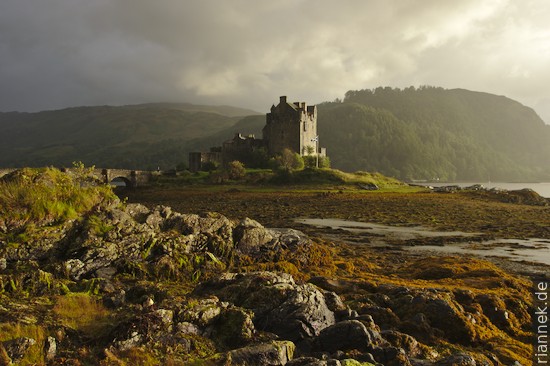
(531, 249)
(396, 232)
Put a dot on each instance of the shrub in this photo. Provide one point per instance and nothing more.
(289, 160)
(209, 166)
(235, 170)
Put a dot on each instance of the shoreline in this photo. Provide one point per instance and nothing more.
(542, 188)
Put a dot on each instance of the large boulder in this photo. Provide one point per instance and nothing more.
(253, 239)
(344, 336)
(250, 236)
(425, 314)
(280, 306)
(229, 325)
(274, 353)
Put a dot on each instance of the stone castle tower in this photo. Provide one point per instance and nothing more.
(292, 126)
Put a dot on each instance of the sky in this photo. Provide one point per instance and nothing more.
(62, 53)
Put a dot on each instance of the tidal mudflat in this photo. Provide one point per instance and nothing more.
(464, 223)
(413, 238)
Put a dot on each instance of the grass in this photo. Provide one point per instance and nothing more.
(96, 225)
(35, 354)
(46, 196)
(81, 311)
(266, 179)
(326, 175)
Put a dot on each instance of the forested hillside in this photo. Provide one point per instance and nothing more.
(430, 133)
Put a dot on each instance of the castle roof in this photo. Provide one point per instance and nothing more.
(293, 105)
(296, 105)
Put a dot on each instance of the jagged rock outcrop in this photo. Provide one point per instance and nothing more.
(270, 353)
(291, 311)
(132, 238)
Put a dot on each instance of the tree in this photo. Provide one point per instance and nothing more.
(209, 166)
(311, 161)
(259, 158)
(289, 160)
(235, 170)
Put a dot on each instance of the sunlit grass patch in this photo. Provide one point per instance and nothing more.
(136, 356)
(47, 196)
(81, 311)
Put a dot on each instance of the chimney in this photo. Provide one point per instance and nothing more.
(283, 99)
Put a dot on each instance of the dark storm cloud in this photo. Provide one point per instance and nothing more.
(58, 53)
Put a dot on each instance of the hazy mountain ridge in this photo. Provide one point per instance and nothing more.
(124, 136)
(414, 133)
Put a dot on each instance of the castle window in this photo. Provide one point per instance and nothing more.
(305, 126)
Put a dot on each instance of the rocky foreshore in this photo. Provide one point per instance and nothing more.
(129, 285)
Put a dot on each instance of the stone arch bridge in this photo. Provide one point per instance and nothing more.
(132, 178)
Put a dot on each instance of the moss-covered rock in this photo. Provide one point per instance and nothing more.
(279, 305)
(271, 353)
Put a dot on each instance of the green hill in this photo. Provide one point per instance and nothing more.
(136, 136)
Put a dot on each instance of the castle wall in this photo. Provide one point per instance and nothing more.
(197, 159)
(308, 130)
(240, 148)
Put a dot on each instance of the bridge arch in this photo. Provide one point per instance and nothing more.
(121, 179)
(132, 178)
